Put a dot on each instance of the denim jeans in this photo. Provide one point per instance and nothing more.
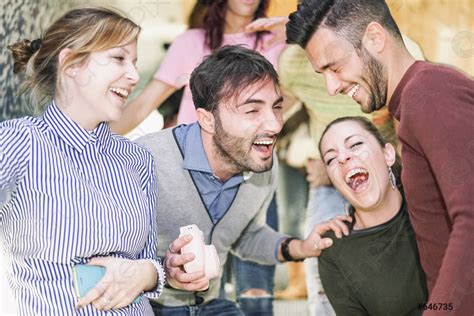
(250, 275)
(214, 307)
(292, 200)
(324, 203)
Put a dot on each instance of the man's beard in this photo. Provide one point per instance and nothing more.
(375, 76)
(232, 151)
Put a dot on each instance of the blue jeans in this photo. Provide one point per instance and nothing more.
(214, 307)
(292, 199)
(324, 203)
(251, 275)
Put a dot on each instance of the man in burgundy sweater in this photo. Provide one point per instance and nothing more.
(357, 45)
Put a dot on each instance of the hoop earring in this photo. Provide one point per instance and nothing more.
(392, 179)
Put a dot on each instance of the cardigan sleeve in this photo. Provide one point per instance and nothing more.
(258, 241)
(149, 252)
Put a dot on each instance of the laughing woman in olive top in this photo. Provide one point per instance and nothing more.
(374, 269)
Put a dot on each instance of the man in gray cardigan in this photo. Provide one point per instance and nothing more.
(219, 174)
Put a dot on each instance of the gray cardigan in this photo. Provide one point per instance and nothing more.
(241, 230)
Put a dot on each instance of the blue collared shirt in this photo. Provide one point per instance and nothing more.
(67, 195)
(216, 195)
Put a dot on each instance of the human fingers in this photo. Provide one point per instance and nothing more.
(176, 245)
(256, 25)
(339, 227)
(93, 294)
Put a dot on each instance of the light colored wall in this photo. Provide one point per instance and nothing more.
(443, 28)
(20, 19)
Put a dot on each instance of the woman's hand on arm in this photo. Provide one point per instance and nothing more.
(152, 96)
(122, 283)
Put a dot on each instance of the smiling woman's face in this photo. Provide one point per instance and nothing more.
(356, 164)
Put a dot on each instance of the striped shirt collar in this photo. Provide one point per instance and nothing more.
(72, 133)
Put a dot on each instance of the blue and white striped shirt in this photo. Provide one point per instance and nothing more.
(67, 195)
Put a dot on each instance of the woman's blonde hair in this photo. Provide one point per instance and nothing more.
(83, 30)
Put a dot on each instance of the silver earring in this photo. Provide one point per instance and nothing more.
(391, 178)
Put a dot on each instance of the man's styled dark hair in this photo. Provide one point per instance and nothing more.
(347, 18)
(226, 72)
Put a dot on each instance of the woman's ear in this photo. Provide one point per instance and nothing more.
(63, 54)
(206, 120)
(390, 154)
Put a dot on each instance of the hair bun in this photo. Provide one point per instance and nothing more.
(22, 52)
(35, 45)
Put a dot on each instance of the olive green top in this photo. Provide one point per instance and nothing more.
(375, 271)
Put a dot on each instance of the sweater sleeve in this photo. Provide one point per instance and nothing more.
(445, 136)
(337, 290)
(258, 241)
(149, 251)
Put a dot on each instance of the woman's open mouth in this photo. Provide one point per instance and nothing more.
(121, 93)
(357, 179)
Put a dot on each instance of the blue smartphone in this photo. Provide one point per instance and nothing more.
(86, 277)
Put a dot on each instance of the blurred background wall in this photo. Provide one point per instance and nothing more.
(443, 28)
(20, 19)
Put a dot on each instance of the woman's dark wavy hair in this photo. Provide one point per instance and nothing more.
(214, 21)
(369, 127)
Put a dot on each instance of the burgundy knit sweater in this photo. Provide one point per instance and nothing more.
(435, 107)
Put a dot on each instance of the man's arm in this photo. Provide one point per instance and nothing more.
(446, 139)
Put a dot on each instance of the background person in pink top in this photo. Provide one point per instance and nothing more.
(223, 24)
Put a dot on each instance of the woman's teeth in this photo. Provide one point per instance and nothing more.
(356, 177)
(121, 92)
(353, 172)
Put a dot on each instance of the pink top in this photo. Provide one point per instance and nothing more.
(188, 50)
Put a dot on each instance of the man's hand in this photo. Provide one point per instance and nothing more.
(314, 243)
(174, 267)
(316, 173)
(276, 25)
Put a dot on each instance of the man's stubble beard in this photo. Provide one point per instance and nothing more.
(375, 76)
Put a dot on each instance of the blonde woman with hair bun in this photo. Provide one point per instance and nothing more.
(73, 193)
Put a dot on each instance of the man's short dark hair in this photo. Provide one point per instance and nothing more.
(347, 18)
(226, 72)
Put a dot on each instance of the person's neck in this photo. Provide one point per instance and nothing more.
(235, 23)
(220, 166)
(382, 213)
(76, 112)
(398, 63)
